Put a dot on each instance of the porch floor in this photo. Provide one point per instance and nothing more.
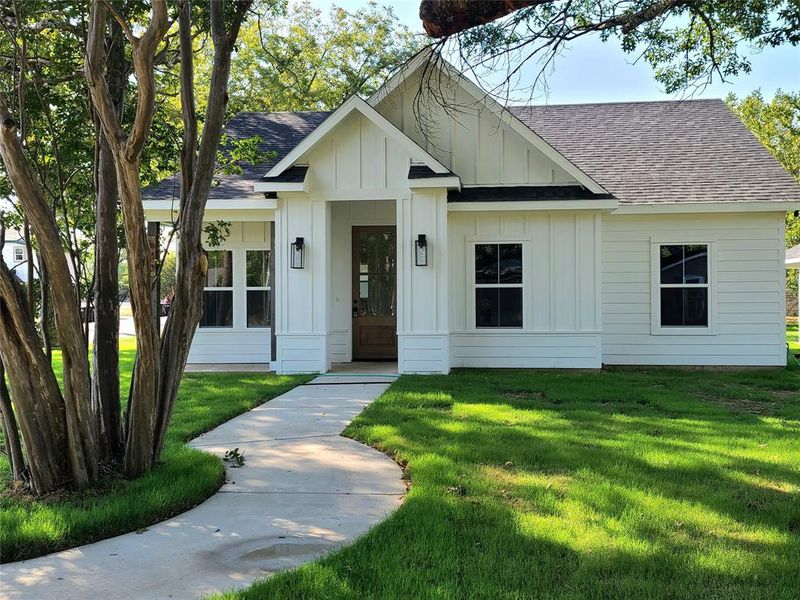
(365, 367)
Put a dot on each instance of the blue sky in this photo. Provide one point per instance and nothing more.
(593, 71)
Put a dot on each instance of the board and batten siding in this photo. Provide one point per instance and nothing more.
(561, 290)
(237, 344)
(747, 289)
(470, 139)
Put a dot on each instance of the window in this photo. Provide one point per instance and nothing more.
(258, 288)
(498, 285)
(218, 293)
(684, 285)
(19, 254)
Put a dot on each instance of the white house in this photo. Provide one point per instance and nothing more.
(15, 256)
(529, 236)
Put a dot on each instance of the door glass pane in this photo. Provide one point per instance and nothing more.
(510, 263)
(486, 263)
(377, 266)
(217, 309)
(258, 268)
(220, 268)
(671, 264)
(695, 269)
(258, 308)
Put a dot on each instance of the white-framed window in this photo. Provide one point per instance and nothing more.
(498, 285)
(257, 288)
(19, 254)
(682, 299)
(218, 292)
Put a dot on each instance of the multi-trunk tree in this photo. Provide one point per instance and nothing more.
(68, 429)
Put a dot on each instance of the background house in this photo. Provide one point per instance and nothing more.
(15, 256)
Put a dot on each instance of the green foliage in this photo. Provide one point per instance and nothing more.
(687, 44)
(216, 232)
(168, 272)
(233, 458)
(184, 478)
(777, 125)
(301, 60)
(624, 484)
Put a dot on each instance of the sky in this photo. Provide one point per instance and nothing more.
(594, 71)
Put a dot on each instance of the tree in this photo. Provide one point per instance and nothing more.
(60, 430)
(688, 43)
(300, 60)
(777, 125)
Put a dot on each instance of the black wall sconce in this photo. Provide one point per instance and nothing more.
(421, 251)
(297, 253)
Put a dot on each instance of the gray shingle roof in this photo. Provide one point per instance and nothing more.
(650, 152)
(793, 255)
(641, 152)
(280, 132)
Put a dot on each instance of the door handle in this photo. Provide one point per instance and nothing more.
(355, 312)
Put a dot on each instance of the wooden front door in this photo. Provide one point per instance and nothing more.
(374, 293)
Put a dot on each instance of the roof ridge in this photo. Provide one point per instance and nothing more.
(617, 102)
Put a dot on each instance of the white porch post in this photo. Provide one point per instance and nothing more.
(302, 307)
(423, 326)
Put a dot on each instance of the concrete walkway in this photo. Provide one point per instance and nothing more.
(303, 491)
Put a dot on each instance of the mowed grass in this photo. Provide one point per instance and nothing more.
(791, 337)
(184, 478)
(558, 485)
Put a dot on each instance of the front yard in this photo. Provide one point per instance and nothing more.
(545, 484)
(184, 478)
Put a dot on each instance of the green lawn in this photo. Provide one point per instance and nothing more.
(791, 337)
(551, 484)
(185, 477)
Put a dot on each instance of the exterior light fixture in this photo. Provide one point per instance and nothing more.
(421, 251)
(297, 253)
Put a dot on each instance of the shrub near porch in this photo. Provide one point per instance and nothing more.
(615, 484)
(183, 479)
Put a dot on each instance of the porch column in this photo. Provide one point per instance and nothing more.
(423, 339)
(302, 295)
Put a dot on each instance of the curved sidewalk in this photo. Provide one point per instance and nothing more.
(303, 490)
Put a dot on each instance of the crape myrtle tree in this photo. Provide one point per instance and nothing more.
(60, 425)
(688, 43)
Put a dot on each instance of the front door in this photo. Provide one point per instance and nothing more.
(374, 293)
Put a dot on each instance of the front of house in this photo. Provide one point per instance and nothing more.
(561, 236)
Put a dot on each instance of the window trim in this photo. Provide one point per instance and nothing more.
(21, 251)
(656, 286)
(472, 286)
(230, 289)
(262, 288)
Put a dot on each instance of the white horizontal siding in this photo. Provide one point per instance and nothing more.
(747, 282)
(228, 346)
(525, 350)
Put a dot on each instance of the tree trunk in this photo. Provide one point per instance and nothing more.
(39, 404)
(105, 355)
(10, 429)
(81, 425)
(44, 308)
(441, 18)
(186, 308)
(105, 384)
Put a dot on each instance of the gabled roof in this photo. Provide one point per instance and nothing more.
(351, 105)
(279, 132)
(482, 99)
(664, 152)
